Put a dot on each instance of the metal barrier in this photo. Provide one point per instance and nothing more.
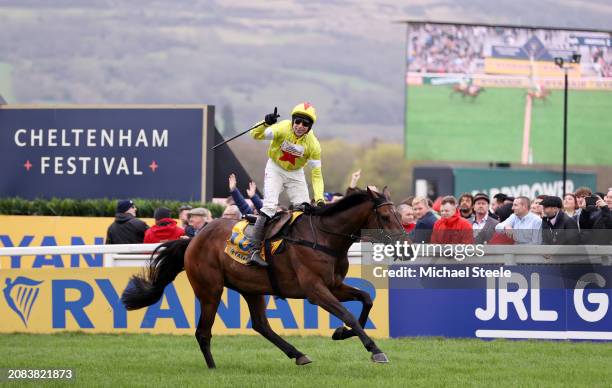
(135, 255)
(120, 255)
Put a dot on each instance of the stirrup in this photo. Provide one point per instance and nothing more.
(256, 258)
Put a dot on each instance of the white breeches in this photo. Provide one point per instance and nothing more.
(276, 180)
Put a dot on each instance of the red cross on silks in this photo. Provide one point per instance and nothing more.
(287, 157)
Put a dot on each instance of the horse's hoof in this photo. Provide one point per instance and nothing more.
(380, 358)
(302, 360)
(339, 334)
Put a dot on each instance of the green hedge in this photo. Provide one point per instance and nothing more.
(92, 207)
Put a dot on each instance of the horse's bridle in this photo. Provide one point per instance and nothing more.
(357, 236)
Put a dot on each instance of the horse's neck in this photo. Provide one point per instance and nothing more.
(349, 221)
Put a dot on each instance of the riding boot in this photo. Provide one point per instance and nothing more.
(258, 236)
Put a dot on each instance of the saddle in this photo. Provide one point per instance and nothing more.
(239, 244)
(274, 225)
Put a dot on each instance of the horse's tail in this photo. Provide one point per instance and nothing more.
(165, 263)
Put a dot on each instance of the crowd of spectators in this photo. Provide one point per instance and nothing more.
(461, 49)
(127, 228)
(582, 217)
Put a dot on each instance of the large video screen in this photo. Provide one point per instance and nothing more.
(496, 94)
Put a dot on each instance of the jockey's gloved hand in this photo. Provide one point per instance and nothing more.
(320, 203)
(271, 117)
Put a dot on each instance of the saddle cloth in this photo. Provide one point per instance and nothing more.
(239, 245)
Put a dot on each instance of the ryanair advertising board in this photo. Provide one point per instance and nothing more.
(88, 299)
(106, 151)
(40, 231)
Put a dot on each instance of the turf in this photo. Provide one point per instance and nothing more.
(490, 127)
(163, 360)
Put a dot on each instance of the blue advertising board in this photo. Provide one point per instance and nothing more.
(147, 151)
(535, 301)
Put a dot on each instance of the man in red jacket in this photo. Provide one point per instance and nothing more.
(451, 228)
(165, 228)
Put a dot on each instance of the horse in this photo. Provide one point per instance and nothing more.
(467, 90)
(541, 94)
(312, 266)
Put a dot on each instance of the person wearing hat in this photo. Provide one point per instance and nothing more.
(557, 227)
(126, 229)
(199, 217)
(483, 224)
(183, 213)
(293, 144)
(165, 228)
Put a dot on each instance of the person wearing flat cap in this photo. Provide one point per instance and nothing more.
(483, 224)
(165, 228)
(199, 217)
(557, 227)
(126, 229)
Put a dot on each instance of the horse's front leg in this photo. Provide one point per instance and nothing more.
(320, 295)
(345, 293)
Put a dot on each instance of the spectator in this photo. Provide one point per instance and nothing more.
(536, 206)
(183, 213)
(557, 227)
(355, 179)
(608, 198)
(406, 213)
(165, 228)
(425, 221)
(184, 218)
(570, 205)
(581, 193)
(232, 212)
(336, 197)
(483, 224)
(252, 194)
(593, 221)
(451, 228)
(237, 198)
(505, 209)
(466, 206)
(498, 200)
(126, 229)
(198, 219)
(523, 226)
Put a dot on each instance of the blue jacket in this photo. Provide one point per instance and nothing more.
(422, 230)
(243, 205)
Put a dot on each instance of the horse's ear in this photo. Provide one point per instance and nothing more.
(387, 193)
(373, 191)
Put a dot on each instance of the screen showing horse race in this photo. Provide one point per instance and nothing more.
(496, 94)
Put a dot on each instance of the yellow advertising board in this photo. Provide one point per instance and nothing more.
(528, 68)
(35, 231)
(48, 300)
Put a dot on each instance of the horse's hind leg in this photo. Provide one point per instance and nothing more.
(320, 295)
(208, 306)
(257, 308)
(346, 293)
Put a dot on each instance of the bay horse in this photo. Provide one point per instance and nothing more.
(467, 90)
(312, 266)
(541, 94)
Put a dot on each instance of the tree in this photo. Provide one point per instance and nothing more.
(384, 165)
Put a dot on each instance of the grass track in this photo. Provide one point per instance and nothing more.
(490, 128)
(163, 360)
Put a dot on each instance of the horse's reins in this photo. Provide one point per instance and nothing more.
(351, 236)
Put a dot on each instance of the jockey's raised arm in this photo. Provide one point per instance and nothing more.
(293, 144)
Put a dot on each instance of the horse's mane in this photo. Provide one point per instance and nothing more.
(356, 197)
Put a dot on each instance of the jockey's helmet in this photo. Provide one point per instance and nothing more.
(305, 109)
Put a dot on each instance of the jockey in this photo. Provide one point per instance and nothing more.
(293, 144)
